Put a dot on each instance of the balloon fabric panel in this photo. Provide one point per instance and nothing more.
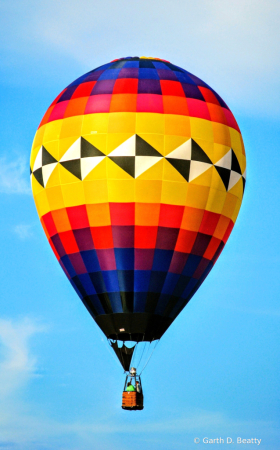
(138, 171)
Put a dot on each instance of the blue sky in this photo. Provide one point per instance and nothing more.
(215, 373)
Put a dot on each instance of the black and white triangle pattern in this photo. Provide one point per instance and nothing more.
(135, 156)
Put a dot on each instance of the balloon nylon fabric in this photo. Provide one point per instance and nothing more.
(138, 172)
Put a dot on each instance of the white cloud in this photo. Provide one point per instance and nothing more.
(14, 176)
(23, 231)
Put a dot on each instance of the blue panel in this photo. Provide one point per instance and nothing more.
(162, 260)
(126, 280)
(170, 283)
(116, 303)
(90, 260)
(134, 64)
(181, 285)
(110, 74)
(98, 282)
(139, 301)
(141, 280)
(184, 78)
(157, 281)
(96, 303)
(77, 285)
(111, 281)
(68, 266)
(87, 283)
(162, 303)
(80, 79)
(150, 74)
(161, 65)
(191, 285)
(191, 265)
(124, 258)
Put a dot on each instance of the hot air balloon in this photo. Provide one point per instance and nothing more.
(138, 171)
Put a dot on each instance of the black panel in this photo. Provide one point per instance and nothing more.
(244, 183)
(151, 302)
(87, 149)
(105, 302)
(127, 301)
(234, 163)
(145, 149)
(224, 174)
(198, 154)
(127, 163)
(73, 166)
(182, 165)
(146, 64)
(47, 158)
(39, 176)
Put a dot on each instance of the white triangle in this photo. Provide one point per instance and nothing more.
(73, 152)
(127, 148)
(234, 178)
(184, 151)
(89, 163)
(225, 161)
(143, 163)
(47, 171)
(38, 161)
(244, 174)
(197, 168)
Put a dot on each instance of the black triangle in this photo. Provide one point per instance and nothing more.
(182, 165)
(198, 154)
(234, 163)
(127, 163)
(145, 149)
(73, 166)
(244, 184)
(224, 174)
(47, 158)
(38, 174)
(87, 149)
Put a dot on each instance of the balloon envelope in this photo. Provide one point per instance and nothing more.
(138, 172)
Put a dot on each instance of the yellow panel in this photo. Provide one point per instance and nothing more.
(55, 198)
(219, 152)
(38, 140)
(53, 148)
(35, 186)
(116, 172)
(205, 178)
(216, 182)
(33, 155)
(216, 200)
(236, 211)
(171, 174)
(229, 205)
(197, 196)
(237, 189)
(73, 194)
(42, 203)
(96, 191)
(122, 122)
(221, 134)
(64, 144)
(154, 173)
(116, 139)
(177, 125)
(236, 141)
(121, 190)
(54, 179)
(155, 140)
(172, 142)
(52, 131)
(201, 129)
(66, 177)
(148, 191)
(71, 126)
(174, 193)
(150, 123)
(95, 123)
(99, 172)
(98, 140)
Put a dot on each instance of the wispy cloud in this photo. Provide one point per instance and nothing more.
(23, 231)
(13, 176)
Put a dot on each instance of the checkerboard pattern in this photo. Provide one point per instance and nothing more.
(138, 171)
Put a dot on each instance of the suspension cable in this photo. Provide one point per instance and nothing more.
(149, 357)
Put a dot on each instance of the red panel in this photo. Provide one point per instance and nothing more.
(76, 107)
(228, 231)
(170, 216)
(201, 268)
(123, 103)
(122, 213)
(102, 237)
(172, 88)
(175, 105)
(84, 89)
(185, 241)
(78, 216)
(230, 119)
(68, 241)
(58, 111)
(54, 250)
(149, 103)
(198, 108)
(209, 222)
(49, 224)
(126, 86)
(46, 116)
(212, 248)
(145, 237)
(98, 103)
(209, 95)
(217, 113)
(58, 97)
